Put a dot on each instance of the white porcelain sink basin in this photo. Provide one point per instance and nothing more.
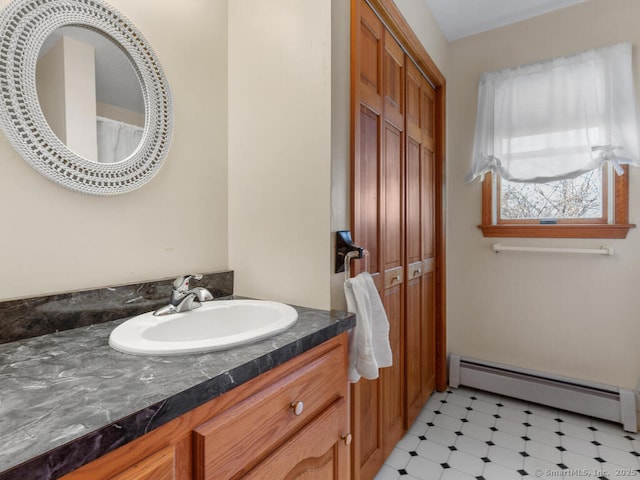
(216, 325)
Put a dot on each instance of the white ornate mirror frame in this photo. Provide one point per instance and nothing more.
(24, 26)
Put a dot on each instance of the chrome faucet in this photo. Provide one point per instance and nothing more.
(184, 299)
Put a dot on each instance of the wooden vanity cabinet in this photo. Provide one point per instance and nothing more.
(291, 422)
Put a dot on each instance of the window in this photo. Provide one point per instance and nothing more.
(553, 141)
(594, 205)
(582, 199)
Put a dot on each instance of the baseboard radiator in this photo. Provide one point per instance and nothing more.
(600, 401)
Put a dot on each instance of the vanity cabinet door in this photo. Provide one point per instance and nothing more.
(318, 452)
(164, 454)
(159, 466)
(163, 464)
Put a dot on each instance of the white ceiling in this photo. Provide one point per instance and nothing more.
(461, 18)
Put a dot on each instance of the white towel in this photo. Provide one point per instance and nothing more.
(369, 348)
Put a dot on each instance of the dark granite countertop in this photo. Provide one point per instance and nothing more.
(67, 398)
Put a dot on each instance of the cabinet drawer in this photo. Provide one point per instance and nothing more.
(233, 442)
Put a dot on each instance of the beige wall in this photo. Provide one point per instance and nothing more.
(57, 240)
(570, 315)
(280, 149)
(423, 24)
(340, 133)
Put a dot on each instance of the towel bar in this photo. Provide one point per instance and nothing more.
(604, 250)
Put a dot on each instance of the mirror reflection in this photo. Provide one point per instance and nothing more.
(90, 94)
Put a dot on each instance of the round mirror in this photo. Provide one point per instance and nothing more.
(83, 99)
(90, 94)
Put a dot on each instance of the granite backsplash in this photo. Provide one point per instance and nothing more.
(32, 317)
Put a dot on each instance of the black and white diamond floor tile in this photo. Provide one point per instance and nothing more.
(464, 434)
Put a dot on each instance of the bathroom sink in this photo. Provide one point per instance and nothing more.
(216, 325)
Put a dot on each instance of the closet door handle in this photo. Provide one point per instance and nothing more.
(394, 277)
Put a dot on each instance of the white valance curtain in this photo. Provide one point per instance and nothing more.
(116, 140)
(557, 119)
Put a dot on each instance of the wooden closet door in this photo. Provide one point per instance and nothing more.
(414, 315)
(420, 354)
(393, 217)
(392, 220)
(367, 58)
(429, 229)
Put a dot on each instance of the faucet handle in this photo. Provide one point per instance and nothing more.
(181, 284)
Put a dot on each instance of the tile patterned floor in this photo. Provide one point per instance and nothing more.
(463, 434)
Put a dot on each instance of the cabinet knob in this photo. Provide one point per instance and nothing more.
(347, 438)
(297, 407)
(417, 273)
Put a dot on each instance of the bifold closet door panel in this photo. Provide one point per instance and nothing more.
(392, 227)
(428, 193)
(367, 88)
(393, 199)
(414, 324)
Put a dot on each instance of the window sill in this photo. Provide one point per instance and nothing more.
(618, 231)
